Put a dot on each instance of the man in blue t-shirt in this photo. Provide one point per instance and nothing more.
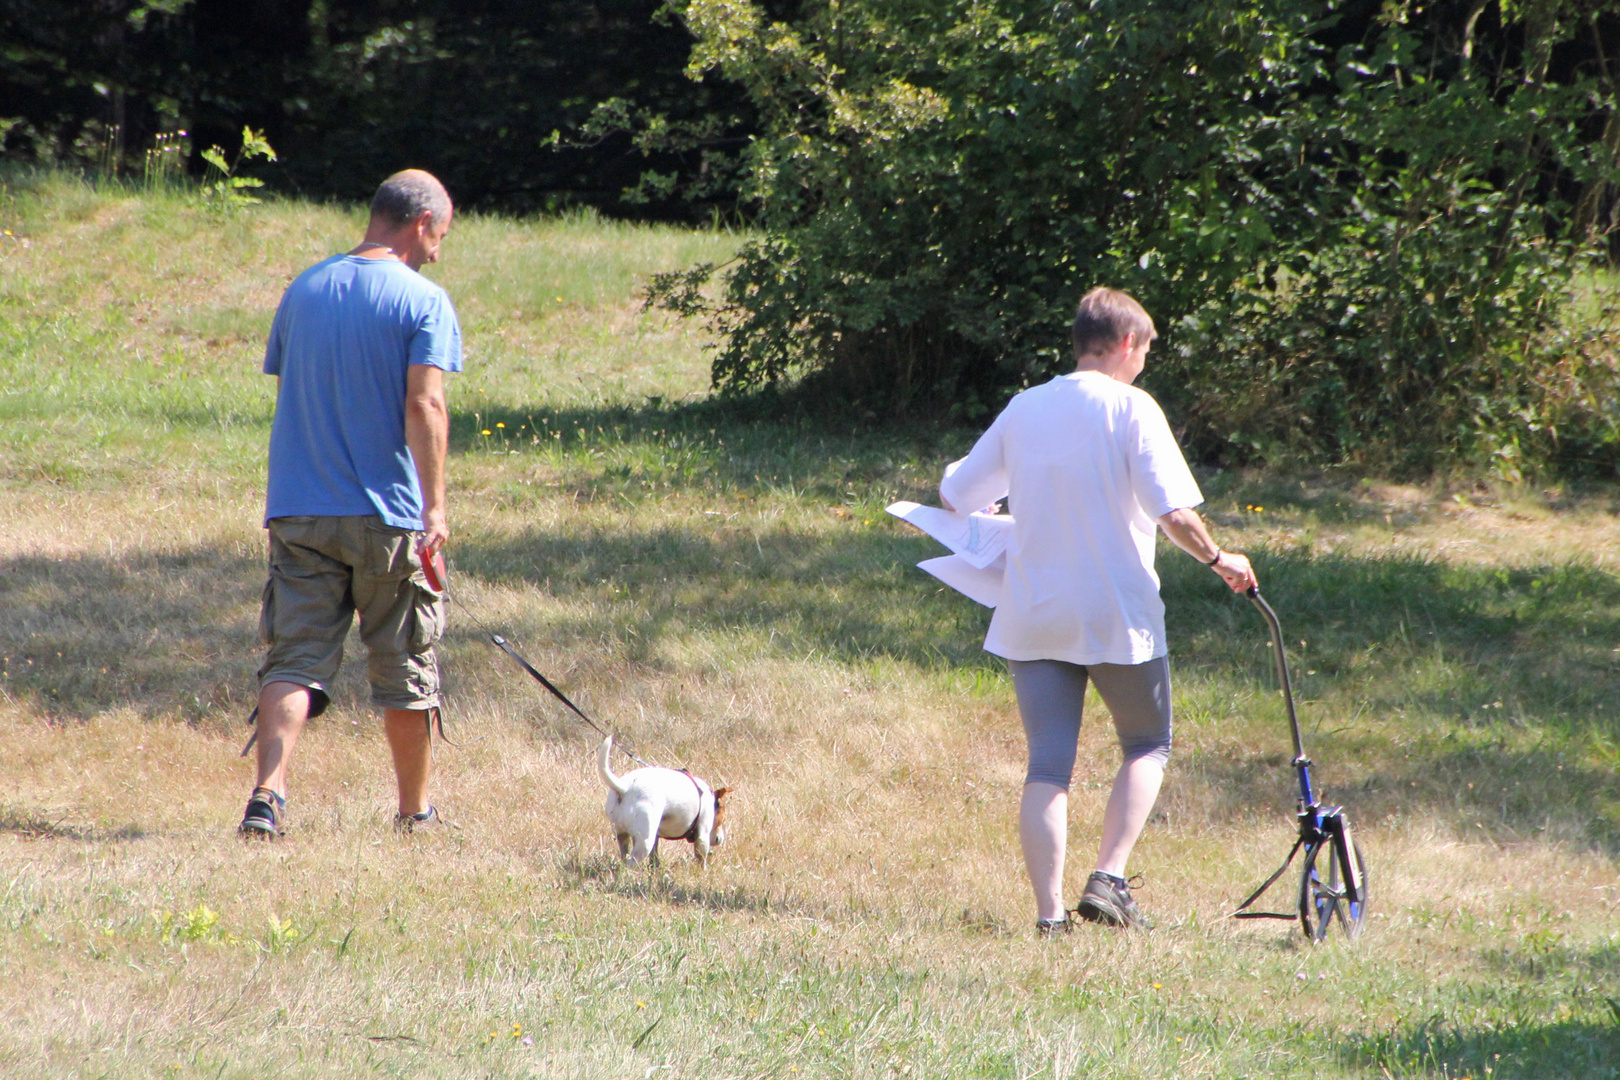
(356, 496)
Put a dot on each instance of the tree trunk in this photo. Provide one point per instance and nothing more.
(1595, 193)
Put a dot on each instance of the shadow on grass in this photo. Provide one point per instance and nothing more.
(856, 598)
(1508, 1048)
(1425, 649)
(1407, 636)
(1496, 793)
(1490, 648)
(1479, 692)
(605, 875)
(1422, 648)
(169, 635)
(767, 439)
(1485, 646)
(34, 826)
(710, 444)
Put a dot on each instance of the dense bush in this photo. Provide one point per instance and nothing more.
(1359, 237)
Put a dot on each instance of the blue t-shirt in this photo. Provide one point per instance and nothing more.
(344, 335)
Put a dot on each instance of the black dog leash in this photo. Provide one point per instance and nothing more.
(433, 569)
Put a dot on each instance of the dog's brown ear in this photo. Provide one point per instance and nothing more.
(720, 807)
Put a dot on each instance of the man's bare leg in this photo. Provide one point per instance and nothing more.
(283, 711)
(1043, 827)
(407, 731)
(1136, 789)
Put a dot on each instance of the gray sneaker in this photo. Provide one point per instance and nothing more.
(1049, 928)
(263, 818)
(427, 820)
(1108, 902)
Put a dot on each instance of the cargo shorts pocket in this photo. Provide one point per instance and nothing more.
(267, 612)
(427, 617)
(389, 551)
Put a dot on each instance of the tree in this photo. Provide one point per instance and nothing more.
(348, 90)
(93, 77)
(1352, 230)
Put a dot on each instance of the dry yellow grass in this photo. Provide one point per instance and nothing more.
(728, 594)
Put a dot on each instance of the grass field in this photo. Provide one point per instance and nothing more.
(728, 593)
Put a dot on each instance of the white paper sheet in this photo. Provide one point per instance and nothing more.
(982, 585)
(980, 539)
(978, 542)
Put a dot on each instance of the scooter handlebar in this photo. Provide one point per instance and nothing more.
(1280, 660)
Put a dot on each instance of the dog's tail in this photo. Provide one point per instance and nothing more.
(603, 756)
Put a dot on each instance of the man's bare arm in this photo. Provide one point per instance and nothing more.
(1186, 530)
(427, 433)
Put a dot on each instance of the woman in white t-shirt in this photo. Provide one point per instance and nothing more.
(1091, 470)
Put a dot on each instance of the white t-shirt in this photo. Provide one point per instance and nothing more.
(1089, 464)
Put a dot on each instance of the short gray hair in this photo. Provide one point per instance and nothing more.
(405, 196)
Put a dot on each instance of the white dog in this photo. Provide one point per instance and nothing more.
(648, 804)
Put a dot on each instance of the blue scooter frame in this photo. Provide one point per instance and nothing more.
(1333, 885)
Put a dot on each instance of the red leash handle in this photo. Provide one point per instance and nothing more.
(433, 568)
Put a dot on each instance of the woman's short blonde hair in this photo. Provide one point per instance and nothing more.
(1103, 319)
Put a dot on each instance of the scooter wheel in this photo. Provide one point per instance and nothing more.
(1324, 894)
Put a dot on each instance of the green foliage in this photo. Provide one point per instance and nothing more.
(371, 88)
(1352, 252)
(349, 91)
(1416, 314)
(194, 925)
(230, 190)
(656, 136)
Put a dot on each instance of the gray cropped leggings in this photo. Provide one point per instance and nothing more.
(1051, 694)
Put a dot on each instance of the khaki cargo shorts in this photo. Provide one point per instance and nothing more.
(325, 569)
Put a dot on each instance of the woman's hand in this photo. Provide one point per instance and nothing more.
(1186, 530)
(1235, 570)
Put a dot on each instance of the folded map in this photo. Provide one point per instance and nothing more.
(978, 542)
